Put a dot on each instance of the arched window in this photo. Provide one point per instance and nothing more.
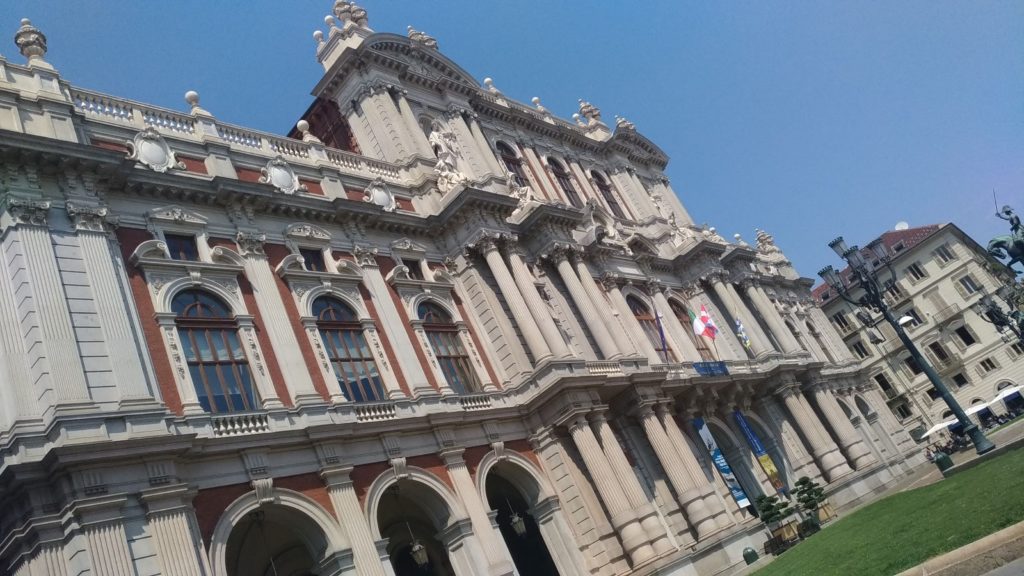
(351, 358)
(451, 355)
(700, 342)
(513, 164)
(651, 327)
(605, 188)
(561, 175)
(214, 353)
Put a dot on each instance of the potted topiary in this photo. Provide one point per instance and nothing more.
(773, 513)
(811, 498)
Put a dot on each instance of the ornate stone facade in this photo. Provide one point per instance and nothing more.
(435, 324)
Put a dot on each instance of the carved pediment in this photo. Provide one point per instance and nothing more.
(407, 245)
(419, 58)
(175, 215)
(302, 231)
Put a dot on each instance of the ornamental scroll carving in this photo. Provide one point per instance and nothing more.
(378, 193)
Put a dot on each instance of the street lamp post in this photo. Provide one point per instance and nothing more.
(864, 273)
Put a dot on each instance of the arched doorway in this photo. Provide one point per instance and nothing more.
(518, 526)
(287, 535)
(740, 460)
(412, 517)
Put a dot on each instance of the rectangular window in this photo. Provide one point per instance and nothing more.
(1016, 349)
(894, 291)
(988, 365)
(841, 321)
(916, 272)
(934, 394)
(965, 335)
(915, 318)
(860, 349)
(968, 285)
(960, 380)
(912, 365)
(314, 259)
(415, 270)
(944, 254)
(939, 352)
(902, 411)
(883, 382)
(182, 247)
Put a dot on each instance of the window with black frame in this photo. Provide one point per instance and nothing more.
(214, 353)
(350, 356)
(452, 357)
(564, 180)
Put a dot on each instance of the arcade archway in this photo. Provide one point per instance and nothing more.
(517, 524)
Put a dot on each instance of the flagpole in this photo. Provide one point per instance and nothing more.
(661, 332)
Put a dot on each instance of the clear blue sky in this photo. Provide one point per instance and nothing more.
(808, 119)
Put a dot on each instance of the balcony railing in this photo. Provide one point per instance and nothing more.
(239, 424)
(604, 367)
(475, 402)
(947, 313)
(893, 394)
(375, 411)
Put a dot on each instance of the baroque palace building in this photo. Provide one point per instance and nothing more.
(433, 325)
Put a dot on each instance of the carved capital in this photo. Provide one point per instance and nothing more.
(90, 218)
(365, 256)
(251, 243)
(610, 280)
(28, 212)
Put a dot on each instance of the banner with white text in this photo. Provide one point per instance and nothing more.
(721, 464)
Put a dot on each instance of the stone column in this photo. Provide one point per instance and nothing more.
(712, 504)
(51, 318)
(260, 375)
(393, 325)
(111, 304)
(773, 318)
(516, 304)
(170, 519)
(679, 334)
(616, 328)
(622, 517)
(800, 460)
(102, 522)
(754, 327)
(850, 441)
(645, 511)
(22, 397)
(826, 453)
(546, 187)
(392, 137)
(828, 333)
(485, 148)
(415, 130)
(629, 335)
(472, 155)
(538, 309)
(346, 506)
(294, 370)
(478, 362)
(735, 310)
(490, 539)
(583, 303)
(687, 491)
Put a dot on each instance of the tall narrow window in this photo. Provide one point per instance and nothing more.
(561, 175)
(605, 188)
(651, 328)
(513, 164)
(451, 355)
(182, 247)
(213, 352)
(314, 259)
(700, 342)
(353, 363)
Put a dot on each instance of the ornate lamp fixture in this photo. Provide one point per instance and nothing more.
(416, 550)
(864, 276)
(518, 524)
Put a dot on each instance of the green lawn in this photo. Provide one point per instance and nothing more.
(903, 530)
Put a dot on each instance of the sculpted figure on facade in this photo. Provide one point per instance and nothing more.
(446, 148)
(421, 38)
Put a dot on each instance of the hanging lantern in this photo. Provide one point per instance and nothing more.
(419, 554)
(518, 524)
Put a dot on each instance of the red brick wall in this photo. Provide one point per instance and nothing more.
(196, 165)
(364, 475)
(211, 503)
(311, 486)
(116, 146)
(248, 174)
(129, 239)
(313, 186)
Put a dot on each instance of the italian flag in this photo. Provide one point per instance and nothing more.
(703, 325)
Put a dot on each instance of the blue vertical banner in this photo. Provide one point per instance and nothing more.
(720, 463)
(767, 464)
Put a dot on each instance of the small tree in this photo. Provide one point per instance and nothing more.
(771, 510)
(809, 494)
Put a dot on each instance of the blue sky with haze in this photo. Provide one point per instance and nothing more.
(808, 119)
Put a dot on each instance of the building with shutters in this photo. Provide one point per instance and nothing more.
(940, 274)
(432, 325)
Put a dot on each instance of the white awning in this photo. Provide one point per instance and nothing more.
(976, 408)
(1007, 392)
(938, 427)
